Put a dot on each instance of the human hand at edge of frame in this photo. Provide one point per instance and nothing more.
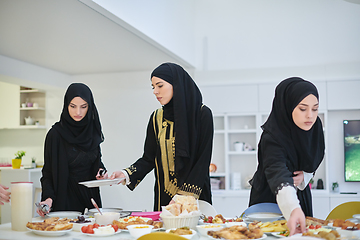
(296, 222)
(298, 178)
(119, 174)
(102, 174)
(4, 194)
(49, 202)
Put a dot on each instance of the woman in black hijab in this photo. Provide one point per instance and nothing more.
(179, 138)
(72, 153)
(290, 150)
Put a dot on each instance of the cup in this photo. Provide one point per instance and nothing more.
(239, 146)
(16, 163)
(21, 205)
(29, 104)
(23, 105)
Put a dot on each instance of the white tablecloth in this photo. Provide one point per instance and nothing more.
(7, 233)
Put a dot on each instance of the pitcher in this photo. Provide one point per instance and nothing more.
(21, 205)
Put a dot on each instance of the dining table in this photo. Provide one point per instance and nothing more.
(7, 233)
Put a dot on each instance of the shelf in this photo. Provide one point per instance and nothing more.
(217, 174)
(242, 153)
(32, 108)
(32, 127)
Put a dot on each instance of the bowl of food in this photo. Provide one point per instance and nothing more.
(180, 221)
(183, 231)
(230, 224)
(80, 222)
(138, 230)
(203, 229)
(106, 217)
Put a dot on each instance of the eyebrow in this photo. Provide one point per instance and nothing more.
(303, 104)
(157, 83)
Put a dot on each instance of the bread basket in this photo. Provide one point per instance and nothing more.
(180, 221)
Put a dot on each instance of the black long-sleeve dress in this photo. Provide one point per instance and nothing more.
(65, 166)
(275, 171)
(159, 151)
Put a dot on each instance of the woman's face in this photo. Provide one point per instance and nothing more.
(162, 90)
(78, 108)
(305, 113)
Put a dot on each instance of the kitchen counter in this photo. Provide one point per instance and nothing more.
(8, 175)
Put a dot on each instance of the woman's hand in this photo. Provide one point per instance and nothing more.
(296, 222)
(49, 203)
(4, 195)
(101, 175)
(298, 178)
(118, 174)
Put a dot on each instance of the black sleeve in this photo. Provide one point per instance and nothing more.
(200, 169)
(275, 159)
(47, 184)
(146, 163)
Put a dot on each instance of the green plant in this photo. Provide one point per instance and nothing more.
(335, 185)
(19, 154)
(311, 181)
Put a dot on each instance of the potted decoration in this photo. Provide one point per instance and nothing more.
(311, 182)
(33, 162)
(335, 187)
(16, 163)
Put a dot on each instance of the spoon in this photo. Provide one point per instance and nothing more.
(95, 205)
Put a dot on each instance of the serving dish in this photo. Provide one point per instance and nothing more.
(263, 216)
(203, 229)
(49, 233)
(101, 182)
(189, 236)
(139, 230)
(64, 214)
(102, 235)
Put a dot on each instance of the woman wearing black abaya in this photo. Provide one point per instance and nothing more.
(72, 154)
(179, 138)
(290, 150)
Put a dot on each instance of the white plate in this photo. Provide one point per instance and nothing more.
(102, 235)
(206, 208)
(64, 214)
(357, 216)
(49, 233)
(101, 182)
(263, 216)
(263, 236)
(276, 234)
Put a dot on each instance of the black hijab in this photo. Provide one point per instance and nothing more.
(85, 134)
(185, 108)
(305, 148)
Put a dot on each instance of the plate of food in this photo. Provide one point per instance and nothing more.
(237, 232)
(50, 227)
(100, 231)
(122, 223)
(64, 214)
(101, 182)
(280, 234)
(49, 233)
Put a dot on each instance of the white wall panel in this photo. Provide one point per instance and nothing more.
(343, 95)
(231, 98)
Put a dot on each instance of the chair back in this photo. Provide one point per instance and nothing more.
(161, 236)
(345, 210)
(262, 207)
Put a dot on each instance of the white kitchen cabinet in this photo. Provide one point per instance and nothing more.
(37, 113)
(9, 105)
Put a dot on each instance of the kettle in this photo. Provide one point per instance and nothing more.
(29, 121)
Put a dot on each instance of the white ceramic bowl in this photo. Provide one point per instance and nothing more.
(138, 230)
(263, 216)
(230, 224)
(189, 236)
(106, 217)
(203, 229)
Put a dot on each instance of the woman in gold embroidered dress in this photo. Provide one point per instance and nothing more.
(179, 138)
